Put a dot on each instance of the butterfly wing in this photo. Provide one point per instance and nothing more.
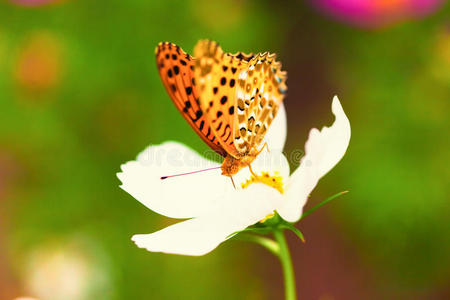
(176, 69)
(260, 91)
(217, 75)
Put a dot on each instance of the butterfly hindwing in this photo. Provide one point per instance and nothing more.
(176, 69)
(241, 92)
(260, 90)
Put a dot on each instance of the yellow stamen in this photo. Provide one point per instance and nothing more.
(267, 218)
(275, 181)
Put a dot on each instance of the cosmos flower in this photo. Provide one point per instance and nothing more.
(214, 208)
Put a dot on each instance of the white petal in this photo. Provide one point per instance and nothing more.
(276, 134)
(201, 235)
(324, 149)
(179, 197)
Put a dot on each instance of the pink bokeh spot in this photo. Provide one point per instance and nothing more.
(34, 2)
(376, 13)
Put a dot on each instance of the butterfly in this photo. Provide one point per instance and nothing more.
(230, 100)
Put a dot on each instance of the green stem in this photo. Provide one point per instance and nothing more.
(286, 263)
(267, 243)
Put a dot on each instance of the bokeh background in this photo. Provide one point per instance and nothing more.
(80, 94)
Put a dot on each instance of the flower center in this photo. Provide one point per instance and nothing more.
(275, 181)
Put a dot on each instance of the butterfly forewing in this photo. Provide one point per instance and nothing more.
(217, 75)
(176, 69)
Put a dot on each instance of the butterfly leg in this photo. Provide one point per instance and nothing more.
(251, 171)
(264, 146)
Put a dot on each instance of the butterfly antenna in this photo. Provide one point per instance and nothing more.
(188, 173)
(232, 181)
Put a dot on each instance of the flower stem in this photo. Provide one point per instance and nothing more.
(286, 263)
(267, 243)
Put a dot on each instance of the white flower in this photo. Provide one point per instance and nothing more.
(216, 209)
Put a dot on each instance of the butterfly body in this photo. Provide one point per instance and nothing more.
(230, 100)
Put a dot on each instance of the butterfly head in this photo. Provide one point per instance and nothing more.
(232, 165)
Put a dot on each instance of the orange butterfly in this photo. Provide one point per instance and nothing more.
(230, 100)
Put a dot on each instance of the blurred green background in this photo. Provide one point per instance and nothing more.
(80, 95)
